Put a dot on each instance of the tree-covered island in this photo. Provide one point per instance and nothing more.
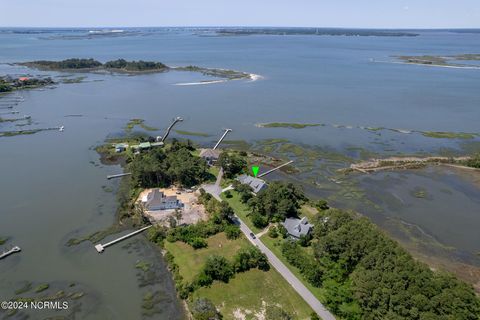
(124, 66)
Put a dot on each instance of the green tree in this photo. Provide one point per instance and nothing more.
(244, 190)
(321, 205)
(272, 232)
(249, 258)
(232, 231)
(231, 163)
(278, 201)
(218, 268)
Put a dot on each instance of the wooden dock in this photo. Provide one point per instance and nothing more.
(274, 169)
(113, 176)
(101, 247)
(9, 252)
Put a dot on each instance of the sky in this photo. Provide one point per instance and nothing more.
(306, 13)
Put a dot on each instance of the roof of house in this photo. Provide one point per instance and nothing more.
(159, 198)
(209, 153)
(145, 145)
(297, 227)
(156, 144)
(256, 183)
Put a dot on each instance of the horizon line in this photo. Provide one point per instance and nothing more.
(244, 26)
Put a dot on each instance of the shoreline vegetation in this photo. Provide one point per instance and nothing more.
(452, 61)
(192, 133)
(130, 67)
(396, 163)
(291, 125)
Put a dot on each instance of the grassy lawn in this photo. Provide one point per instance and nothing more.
(274, 246)
(249, 291)
(308, 211)
(214, 170)
(240, 209)
(191, 260)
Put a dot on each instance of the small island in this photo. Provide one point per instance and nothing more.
(453, 61)
(130, 67)
(290, 125)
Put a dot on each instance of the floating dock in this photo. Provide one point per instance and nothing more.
(9, 252)
(101, 247)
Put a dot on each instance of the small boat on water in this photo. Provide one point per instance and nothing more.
(9, 252)
(61, 128)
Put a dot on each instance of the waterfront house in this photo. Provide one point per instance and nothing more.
(297, 227)
(255, 183)
(156, 200)
(211, 156)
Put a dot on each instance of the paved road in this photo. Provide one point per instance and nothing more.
(316, 305)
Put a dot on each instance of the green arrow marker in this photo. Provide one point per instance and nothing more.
(255, 171)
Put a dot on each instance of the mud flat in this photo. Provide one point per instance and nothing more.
(395, 163)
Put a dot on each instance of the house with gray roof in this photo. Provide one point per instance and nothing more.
(255, 183)
(156, 200)
(210, 155)
(297, 227)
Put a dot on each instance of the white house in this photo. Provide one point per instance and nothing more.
(156, 200)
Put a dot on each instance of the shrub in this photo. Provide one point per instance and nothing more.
(272, 232)
(204, 309)
(232, 232)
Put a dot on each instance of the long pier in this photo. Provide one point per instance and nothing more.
(101, 247)
(113, 176)
(221, 139)
(175, 121)
(9, 252)
(274, 169)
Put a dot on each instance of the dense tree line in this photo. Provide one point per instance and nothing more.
(158, 168)
(366, 275)
(119, 64)
(134, 65)
(73, 63)
(279, 201)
